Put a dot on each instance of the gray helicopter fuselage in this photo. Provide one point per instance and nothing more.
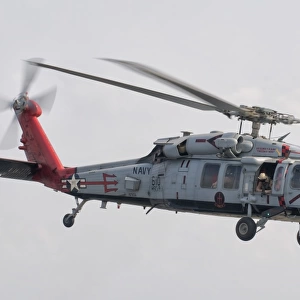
(210, 183)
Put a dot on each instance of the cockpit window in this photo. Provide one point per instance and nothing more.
(295, 181)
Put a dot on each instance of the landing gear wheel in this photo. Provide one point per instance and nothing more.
(68, 220)
(245, 229)
(298, 238)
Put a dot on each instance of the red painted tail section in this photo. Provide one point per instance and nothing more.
(38, 149)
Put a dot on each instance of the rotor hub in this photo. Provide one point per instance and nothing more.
(20, 102)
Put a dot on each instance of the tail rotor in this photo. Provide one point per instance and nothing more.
(45, 101)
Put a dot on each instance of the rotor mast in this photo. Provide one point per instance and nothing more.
(255, 129)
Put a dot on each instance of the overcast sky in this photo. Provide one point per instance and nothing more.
(246, 52)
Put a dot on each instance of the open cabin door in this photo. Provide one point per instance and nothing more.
(278, 184)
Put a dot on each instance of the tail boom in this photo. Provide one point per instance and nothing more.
(38, 149)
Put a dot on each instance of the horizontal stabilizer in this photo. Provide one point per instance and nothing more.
(17, 169)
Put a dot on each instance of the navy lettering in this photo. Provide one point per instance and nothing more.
(141, 170)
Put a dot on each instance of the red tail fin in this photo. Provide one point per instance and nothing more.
(38, 148)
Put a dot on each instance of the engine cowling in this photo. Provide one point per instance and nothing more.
(231, 144)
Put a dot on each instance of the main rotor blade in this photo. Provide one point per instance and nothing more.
(10, 138)
(134, 88)
(46, 100)
(145, 70)
(30, 72)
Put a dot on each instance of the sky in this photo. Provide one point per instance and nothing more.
(246, 52)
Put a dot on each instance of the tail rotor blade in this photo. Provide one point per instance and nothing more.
(30, 72)
(4, 104)
(10, 138)
(46, 100)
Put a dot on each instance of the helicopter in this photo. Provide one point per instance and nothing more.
(216, 173)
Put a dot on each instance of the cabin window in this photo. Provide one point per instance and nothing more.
(210, 176)
(232, 177)
(295, 181)
(278, 180)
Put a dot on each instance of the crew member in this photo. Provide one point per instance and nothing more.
(264, 184)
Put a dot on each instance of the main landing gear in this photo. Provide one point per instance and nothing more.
(298, 235)
(69, 219)
(246, 228)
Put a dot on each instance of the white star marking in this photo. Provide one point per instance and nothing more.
(74, 183)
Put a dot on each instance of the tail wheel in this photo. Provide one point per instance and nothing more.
(68, 220)
(246, 229)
